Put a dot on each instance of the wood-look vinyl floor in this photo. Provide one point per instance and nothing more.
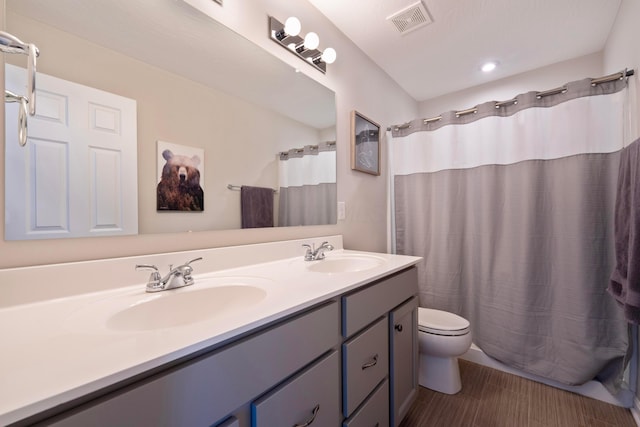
(492, 398)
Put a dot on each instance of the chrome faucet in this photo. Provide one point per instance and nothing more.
(314, 254)
(176, 278)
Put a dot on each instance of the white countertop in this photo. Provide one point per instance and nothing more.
(57, 350)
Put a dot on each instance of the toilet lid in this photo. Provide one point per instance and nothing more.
(441, 322)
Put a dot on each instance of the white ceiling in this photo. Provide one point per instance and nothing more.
(446, 55)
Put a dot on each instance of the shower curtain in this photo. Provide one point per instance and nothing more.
(307, 181)
(512, 209)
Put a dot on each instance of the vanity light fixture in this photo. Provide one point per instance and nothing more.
(288, 36)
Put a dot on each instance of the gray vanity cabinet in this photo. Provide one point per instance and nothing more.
(369, 318)
(349, 361)
(205, 391)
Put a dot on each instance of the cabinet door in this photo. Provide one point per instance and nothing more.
(403, 337)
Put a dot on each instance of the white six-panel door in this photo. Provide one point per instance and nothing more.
(77, 174)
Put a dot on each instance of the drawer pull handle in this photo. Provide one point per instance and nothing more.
(313, 417)
(398, 327)
(373, 362)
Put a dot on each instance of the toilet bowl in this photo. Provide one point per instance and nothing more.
(442, 337)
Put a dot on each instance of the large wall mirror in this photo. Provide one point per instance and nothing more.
(193, 94)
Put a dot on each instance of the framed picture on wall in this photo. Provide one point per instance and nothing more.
(365, 144)
(180, 178)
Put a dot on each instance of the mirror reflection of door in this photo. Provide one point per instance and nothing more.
(216, 90)
(77, 175)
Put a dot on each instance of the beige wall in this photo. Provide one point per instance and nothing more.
(541, 79)
(623, 51)
(359, 84)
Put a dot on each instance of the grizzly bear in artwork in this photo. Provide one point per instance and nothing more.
(179, 188)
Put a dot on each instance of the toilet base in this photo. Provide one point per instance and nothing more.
(440, 374)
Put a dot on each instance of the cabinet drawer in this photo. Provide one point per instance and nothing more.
(311, 397)
(365, 364)
(374, 412)
(363, 307)
(204, 391)
(230, 422)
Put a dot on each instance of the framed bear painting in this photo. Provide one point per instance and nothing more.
(180, 178)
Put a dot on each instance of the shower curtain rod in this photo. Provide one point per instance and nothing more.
(594, 82)
(311, 147)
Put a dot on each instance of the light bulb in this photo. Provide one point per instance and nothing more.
(329, 55)
(292, 26)
(489, 66)
(311, 41)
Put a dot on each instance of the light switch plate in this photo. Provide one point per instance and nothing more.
(342, 211)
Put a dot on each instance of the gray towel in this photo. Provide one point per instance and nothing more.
(625, 279)
(256, 207)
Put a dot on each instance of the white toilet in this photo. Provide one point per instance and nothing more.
(442, 337)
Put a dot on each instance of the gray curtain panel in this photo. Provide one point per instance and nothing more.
(524, 251)
(307, 205)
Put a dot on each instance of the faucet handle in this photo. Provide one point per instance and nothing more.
(321, 250)
(186, 267)
(154, 279)
(193, 260)
(186, 270)
(147, 267)
(308, 256)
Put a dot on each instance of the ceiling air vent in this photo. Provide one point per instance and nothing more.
(411, 18)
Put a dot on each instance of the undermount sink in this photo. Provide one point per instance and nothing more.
(210, 298)
(346, 264)
(169, 309)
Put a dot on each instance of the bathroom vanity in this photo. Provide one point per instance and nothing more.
(331, 343)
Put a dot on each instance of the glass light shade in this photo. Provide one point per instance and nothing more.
(292, 26)
(311, 41)
(329, 55)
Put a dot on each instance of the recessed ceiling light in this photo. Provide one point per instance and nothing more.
(489, 66)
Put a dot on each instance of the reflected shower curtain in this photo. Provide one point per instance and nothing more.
(512, 210)
(308, 187)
